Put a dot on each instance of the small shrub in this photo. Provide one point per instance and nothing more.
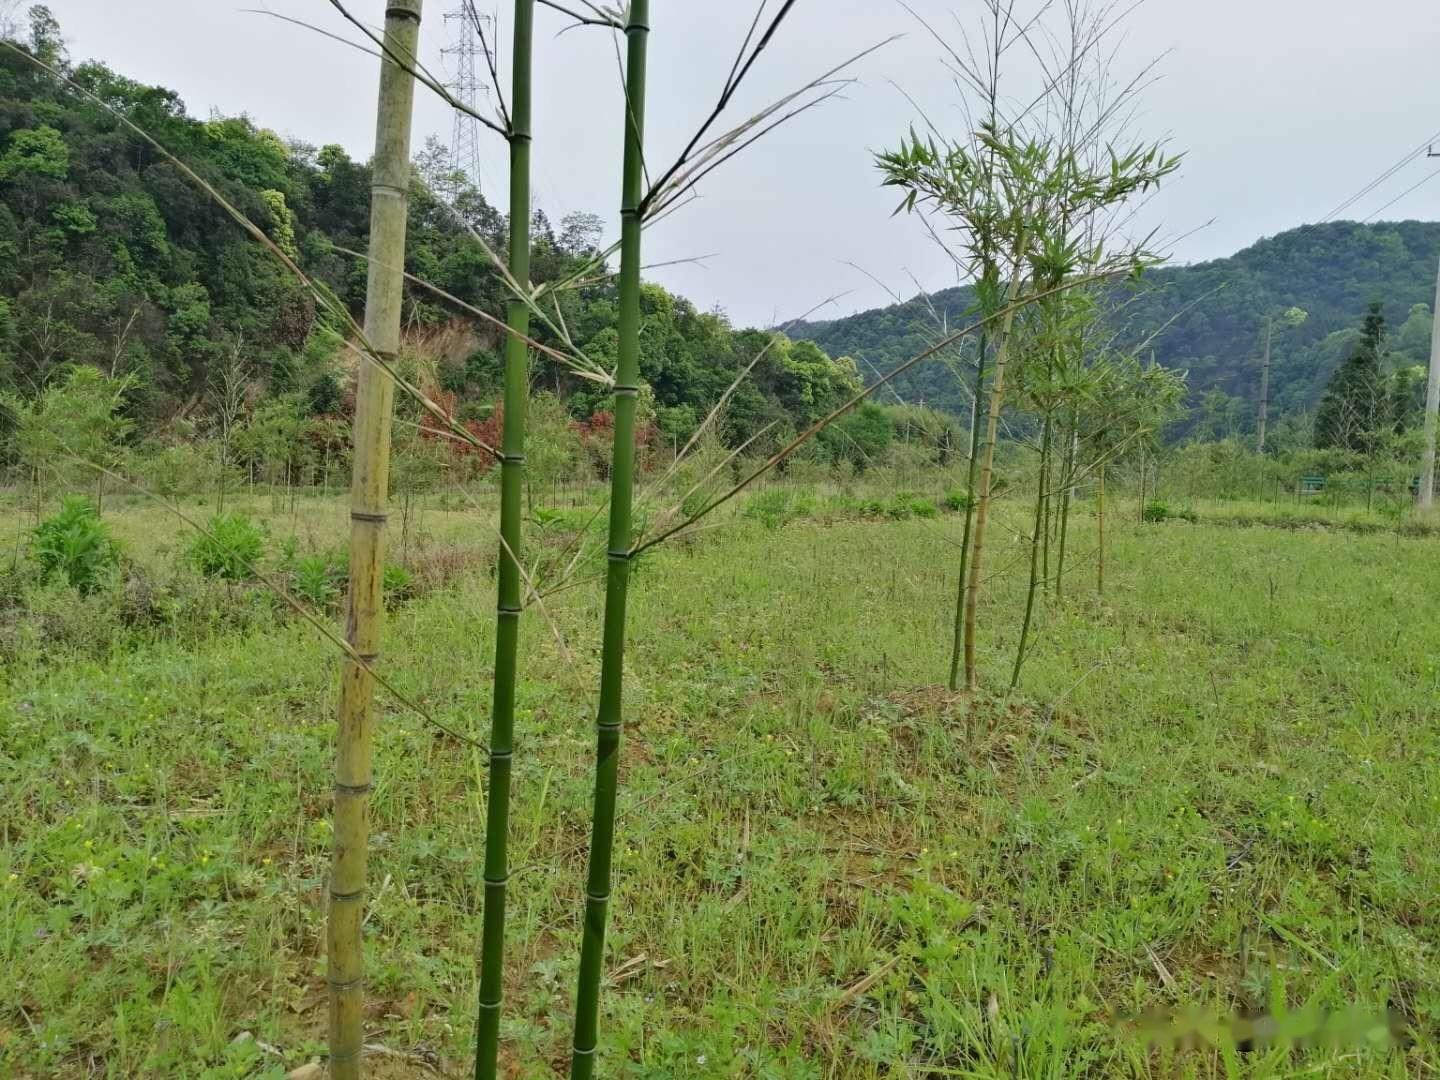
(923, 508)
(1156, 512)
(230, 547)
(77, 546)
(957, 500)
(770, 507)
(399, 584)
(775, 507)
(872, 507)
(316, 579)
(289, 551)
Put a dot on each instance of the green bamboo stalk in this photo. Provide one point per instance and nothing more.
(1067, 476)
(1144, 470)
(610, 715)
(970, 473)
(368, 489)
(508, 596)
(1041, 499)
(1045, 534)
(1100, 512)
(987, 472)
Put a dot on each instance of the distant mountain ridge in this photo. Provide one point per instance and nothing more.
(1333, 271)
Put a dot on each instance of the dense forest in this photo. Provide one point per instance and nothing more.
(110, 258)
(1210, 316)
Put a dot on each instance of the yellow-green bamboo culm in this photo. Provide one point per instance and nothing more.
(987, 472)
(610, 715)
(1100, 524)
(1042, 499)
(970, 472)
(509, 599)
(369, 485)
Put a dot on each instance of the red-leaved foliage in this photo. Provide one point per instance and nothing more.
(477, 460)
(597, 436)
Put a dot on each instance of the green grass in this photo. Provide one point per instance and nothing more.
(1386, 514)
(1219, 788)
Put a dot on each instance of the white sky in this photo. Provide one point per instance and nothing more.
(1284, 107)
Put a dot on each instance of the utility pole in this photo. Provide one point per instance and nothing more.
(1264, 389)
(467, 87)
(1425, 498)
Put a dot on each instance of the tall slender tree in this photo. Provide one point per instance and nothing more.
(610, 717)
(1285, 319)
(508, 573)
(369, 486)
(1263, 415)
(1426, 495)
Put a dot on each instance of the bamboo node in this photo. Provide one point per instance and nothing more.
(346, 897)
(512, 459)
(605, 899)
(343, 985)
(501, 755)
(622, 390)
(577, 1050)
(509, 612)
(365, 515)
(353, 789)
(500, 882)
(619, 556)
(395, 12)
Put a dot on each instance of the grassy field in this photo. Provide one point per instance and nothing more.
(1213, 791)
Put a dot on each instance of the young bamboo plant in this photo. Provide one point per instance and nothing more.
(508, 574)
(1012, 190)
(369, 487)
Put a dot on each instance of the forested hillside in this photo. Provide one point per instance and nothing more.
(110, 257)
(1218, 308)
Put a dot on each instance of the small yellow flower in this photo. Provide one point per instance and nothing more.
(89, 843)
(14, 877)
(266, 860)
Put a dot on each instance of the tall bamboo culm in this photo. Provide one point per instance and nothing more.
(368, 488)
(1100, 524)
(508, 594)
(1042, 498)
(987, 472)
(970, 474)
(610, 715)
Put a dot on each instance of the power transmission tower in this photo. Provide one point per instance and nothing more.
(467, 88)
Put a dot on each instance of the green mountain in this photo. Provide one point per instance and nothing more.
(1210, 315)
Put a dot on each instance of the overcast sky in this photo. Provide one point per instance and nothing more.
(1285, 108)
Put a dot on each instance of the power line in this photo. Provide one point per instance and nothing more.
(1386, 175)
(1407, 191)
